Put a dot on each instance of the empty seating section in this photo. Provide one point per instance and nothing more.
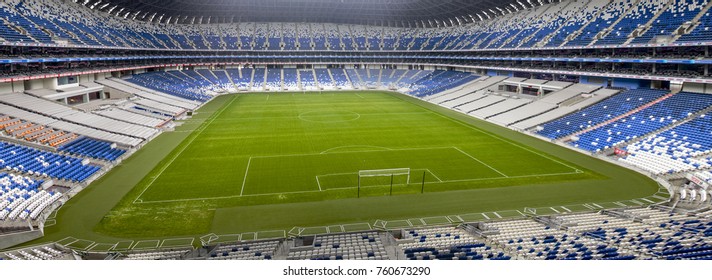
(264, 250)
(659, 115)
(32, 132)
(605, 19)
(658, 236)
(605, 110)
(40, 163)
(307, 80)
(274, 79)
(173, 104)
(93, 148)
(324, 78)
(22, 198)
(702, 32)
(171, 83)
(525, 119)
(131, 117)
(36, 253)
(570, 23)
(240, 77)
(353, 246)
(159, 255)
(654, 232)
(534, 240)
(62, 112)
(438, 81)
(577, 21)
(637, 16)
(368, 77)
(291, 81)
(258, 78)
(680, 12)
(683, 148)
(447, 244)
(57, 130)
(526, 26)
(340, 79)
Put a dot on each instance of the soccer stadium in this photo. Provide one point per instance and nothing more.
(355, 130)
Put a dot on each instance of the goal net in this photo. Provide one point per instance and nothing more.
(384, 177)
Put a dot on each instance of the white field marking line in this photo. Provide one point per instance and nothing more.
(497, 214)
(300, 192)
(244, 180)
(481, 162)
(355, 152)
(557, 211)
(297, 117)
(567, 209)
(200, 131)
(317, 182)
(163, 242)
(357, 146)
(360, 96)
(147, 242)
(123, 241)
(505, 140)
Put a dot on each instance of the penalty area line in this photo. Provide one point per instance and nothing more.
(483, 163)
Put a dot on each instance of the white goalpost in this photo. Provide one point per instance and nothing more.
(384, 173)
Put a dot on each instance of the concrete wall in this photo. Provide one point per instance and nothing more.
(86, 78)
(14, 239)
(51, 83)
(5, 88)
(36, 84)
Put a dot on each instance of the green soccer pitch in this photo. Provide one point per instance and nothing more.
(262, 162)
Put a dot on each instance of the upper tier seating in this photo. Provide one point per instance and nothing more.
(569, 23)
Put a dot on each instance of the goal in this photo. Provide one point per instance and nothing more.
(381, 177)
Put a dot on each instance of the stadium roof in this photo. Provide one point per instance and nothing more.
(428, 13)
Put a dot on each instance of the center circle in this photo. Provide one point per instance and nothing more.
(329, 116)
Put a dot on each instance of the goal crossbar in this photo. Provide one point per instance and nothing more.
(384, 172)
